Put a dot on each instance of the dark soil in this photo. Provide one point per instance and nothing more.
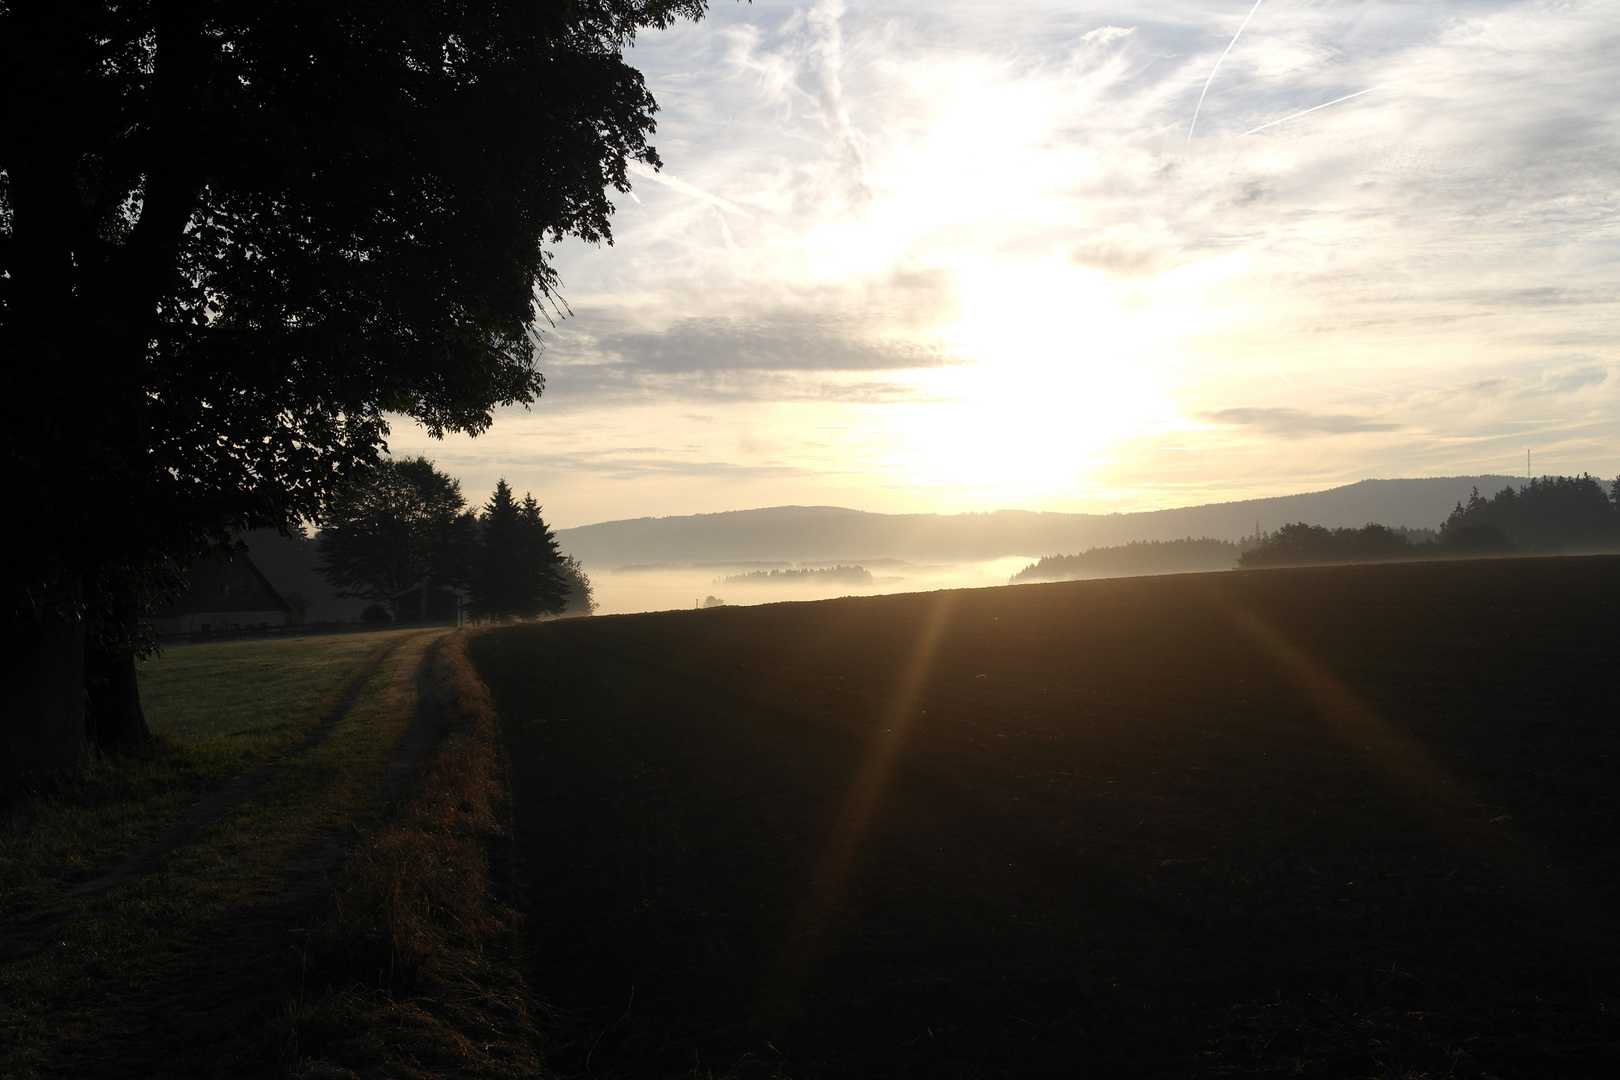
(1336, 822)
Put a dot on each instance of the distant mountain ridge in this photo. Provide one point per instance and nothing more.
(837, 533)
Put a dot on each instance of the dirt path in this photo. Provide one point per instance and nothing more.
(195, 958)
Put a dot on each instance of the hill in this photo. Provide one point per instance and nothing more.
(838, 534)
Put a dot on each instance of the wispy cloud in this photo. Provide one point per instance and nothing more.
(1296, 423)
(861, 201)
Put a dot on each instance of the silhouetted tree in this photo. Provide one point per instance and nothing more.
(1300, 544)
(519, 566)
(581, 598)
(1550, 513)
(1481, 538)
(1137, 557)
(404, 522)
(233, 238)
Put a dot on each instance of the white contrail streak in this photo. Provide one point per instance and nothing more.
(647, 172)
(725, 233)
(1211, 78)
(1313, 108)
(1365, 389)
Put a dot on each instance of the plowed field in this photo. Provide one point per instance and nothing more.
(1347, 821)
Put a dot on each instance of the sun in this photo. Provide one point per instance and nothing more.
(1057, 366)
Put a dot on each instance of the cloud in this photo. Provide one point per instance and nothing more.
(825, 74)
(655, 461)
(647, 172)
(795, 342)
(1027, 215)
(593, 385)
(1296, 423)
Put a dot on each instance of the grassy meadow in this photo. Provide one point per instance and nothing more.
(215, 710)
(168, 967)
(1330, 822)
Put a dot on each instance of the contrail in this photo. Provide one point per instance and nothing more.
(725, 232)
(1211, 78)
(647, 172)
(1366, 389)
(828, 51)
(1313, 108)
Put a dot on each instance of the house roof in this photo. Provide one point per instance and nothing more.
(225, 587)
(433, 590)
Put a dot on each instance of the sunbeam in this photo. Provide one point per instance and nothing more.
(842, 850)
(1440, 801)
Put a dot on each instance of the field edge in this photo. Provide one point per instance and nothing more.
(413, 966)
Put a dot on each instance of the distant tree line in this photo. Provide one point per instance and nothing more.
(840, 575)
(1548, 515)
(1552, 513)
(1141, 557)
(407, 526)
(1299, 544)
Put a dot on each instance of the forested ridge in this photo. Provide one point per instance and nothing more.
(1544, 516)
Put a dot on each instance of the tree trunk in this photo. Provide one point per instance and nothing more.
(113, 716)
(42, 732)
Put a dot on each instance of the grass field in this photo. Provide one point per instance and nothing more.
(180, 967)
(215, 710)
(1329, 822)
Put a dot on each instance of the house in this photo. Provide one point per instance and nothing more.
(223, 596)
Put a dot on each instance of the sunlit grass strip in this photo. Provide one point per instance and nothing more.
(59, 997)
(413, 972)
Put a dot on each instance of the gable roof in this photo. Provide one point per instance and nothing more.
(224, 587)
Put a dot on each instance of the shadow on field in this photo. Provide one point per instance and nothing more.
(1347, 821)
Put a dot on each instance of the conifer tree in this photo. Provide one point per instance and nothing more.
(518, 563)
(235, 240)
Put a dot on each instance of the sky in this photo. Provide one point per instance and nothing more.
(948, 256)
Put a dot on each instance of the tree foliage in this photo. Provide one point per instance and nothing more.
(1139, 557)
(1550, 513)
(405, 522)
(581, 598)
(1300, 544)
(519, 568)
(235, 237)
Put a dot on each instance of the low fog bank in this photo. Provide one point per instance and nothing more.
(1544, 516)
(622, 590)
(804, 552)
(805, 533)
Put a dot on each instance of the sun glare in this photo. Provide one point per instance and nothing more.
(1054, 372)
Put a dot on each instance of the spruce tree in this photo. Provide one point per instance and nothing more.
(552, 587)
(518, 561)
